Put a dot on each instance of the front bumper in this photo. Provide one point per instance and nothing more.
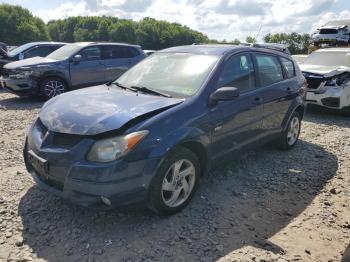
(336, 98)
(21, 87)
(85, 183)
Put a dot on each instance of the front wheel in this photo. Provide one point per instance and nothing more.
(51, 87)
(291, 135)
(175, 182)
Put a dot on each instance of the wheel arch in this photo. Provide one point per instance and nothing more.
(45, 77)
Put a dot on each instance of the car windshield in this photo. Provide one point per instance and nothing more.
(20, 49)
(176, 74)
(329, 59)
(64, 52)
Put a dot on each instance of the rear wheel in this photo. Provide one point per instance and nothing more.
(175, 183)
(291, 135)
(52, 86)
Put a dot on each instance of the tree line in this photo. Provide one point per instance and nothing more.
(19, 26)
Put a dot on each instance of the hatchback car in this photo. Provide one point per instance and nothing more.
(70, 67)
(150, 135)
(28, 50)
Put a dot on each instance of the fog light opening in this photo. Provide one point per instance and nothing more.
(106, 201)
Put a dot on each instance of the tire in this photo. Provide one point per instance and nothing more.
(51, 87)
(290, 137)
(346, 111)
(165, 186)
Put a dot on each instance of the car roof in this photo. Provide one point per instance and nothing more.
(47, 43)
(102, 43)
(218, 49)
(345, 50)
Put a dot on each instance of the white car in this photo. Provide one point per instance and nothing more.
(327, 72)
(334, 32)
(300, 58)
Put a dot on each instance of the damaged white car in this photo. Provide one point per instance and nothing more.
(327, 72)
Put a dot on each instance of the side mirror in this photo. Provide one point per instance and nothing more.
(224, 94)
(77, 58)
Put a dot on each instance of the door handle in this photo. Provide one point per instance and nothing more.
(289, 90)
(258, 100)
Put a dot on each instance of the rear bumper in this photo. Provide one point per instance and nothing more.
(21, 87)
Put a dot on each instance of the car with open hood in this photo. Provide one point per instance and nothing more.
(70, 67)
(150, 135)
(327, 72)
(333, 33)
(28, 50)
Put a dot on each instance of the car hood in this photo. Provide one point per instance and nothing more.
(34, 61)
(325, 71)
(99, 109)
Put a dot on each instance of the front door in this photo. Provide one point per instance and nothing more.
(90, 70)
(237, 123)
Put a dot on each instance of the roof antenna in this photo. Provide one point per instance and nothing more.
(257, 35)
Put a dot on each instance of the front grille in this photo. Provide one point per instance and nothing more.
(313, 83)
(331, 101)
(65, 140)
(57, 139)
(329, 31)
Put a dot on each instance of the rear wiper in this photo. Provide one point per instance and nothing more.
(123, 87)
(148, 90)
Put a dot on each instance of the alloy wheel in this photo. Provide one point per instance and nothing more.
(53, 88)
(178, 183)
(293, 131)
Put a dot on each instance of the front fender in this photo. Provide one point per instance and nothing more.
(180, 137)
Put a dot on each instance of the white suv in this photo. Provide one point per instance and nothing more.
(334, 32)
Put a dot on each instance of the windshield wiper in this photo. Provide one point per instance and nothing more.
(148, 90)
(122, 87)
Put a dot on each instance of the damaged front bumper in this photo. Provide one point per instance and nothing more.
(330, 97)
(60, 168)
(21, 87)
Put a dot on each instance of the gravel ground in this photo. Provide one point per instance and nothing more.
(269, 205)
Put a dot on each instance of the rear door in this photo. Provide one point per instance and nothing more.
(276, 77)
(118, 59)
(237, 123)
(90, 70)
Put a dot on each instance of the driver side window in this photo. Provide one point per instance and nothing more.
(90, 53)
(238, 72)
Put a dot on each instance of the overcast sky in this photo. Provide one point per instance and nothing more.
(219, 19)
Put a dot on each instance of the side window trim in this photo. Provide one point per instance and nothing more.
(248, 54)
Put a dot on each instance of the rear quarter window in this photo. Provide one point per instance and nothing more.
(288, 67)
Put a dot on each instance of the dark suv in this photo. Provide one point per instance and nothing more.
(69, 67)
(152, 133)
(27, 51)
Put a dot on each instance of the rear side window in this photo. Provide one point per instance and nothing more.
(238, 72)
(91, 53)
(40, 51)
(269, 70)
(115, 52)
(288, 67)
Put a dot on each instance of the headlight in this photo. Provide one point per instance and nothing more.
(21, 74)
(110, 149)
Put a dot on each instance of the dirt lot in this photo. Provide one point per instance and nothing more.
(269, 205)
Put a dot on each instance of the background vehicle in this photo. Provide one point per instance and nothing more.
(300, 58)
(28, 50)
(327, 72)
(149, 52)
(150, 135)
(334, 32)
(72, 66)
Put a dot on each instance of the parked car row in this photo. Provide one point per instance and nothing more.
(150, 135)
(69, 67)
